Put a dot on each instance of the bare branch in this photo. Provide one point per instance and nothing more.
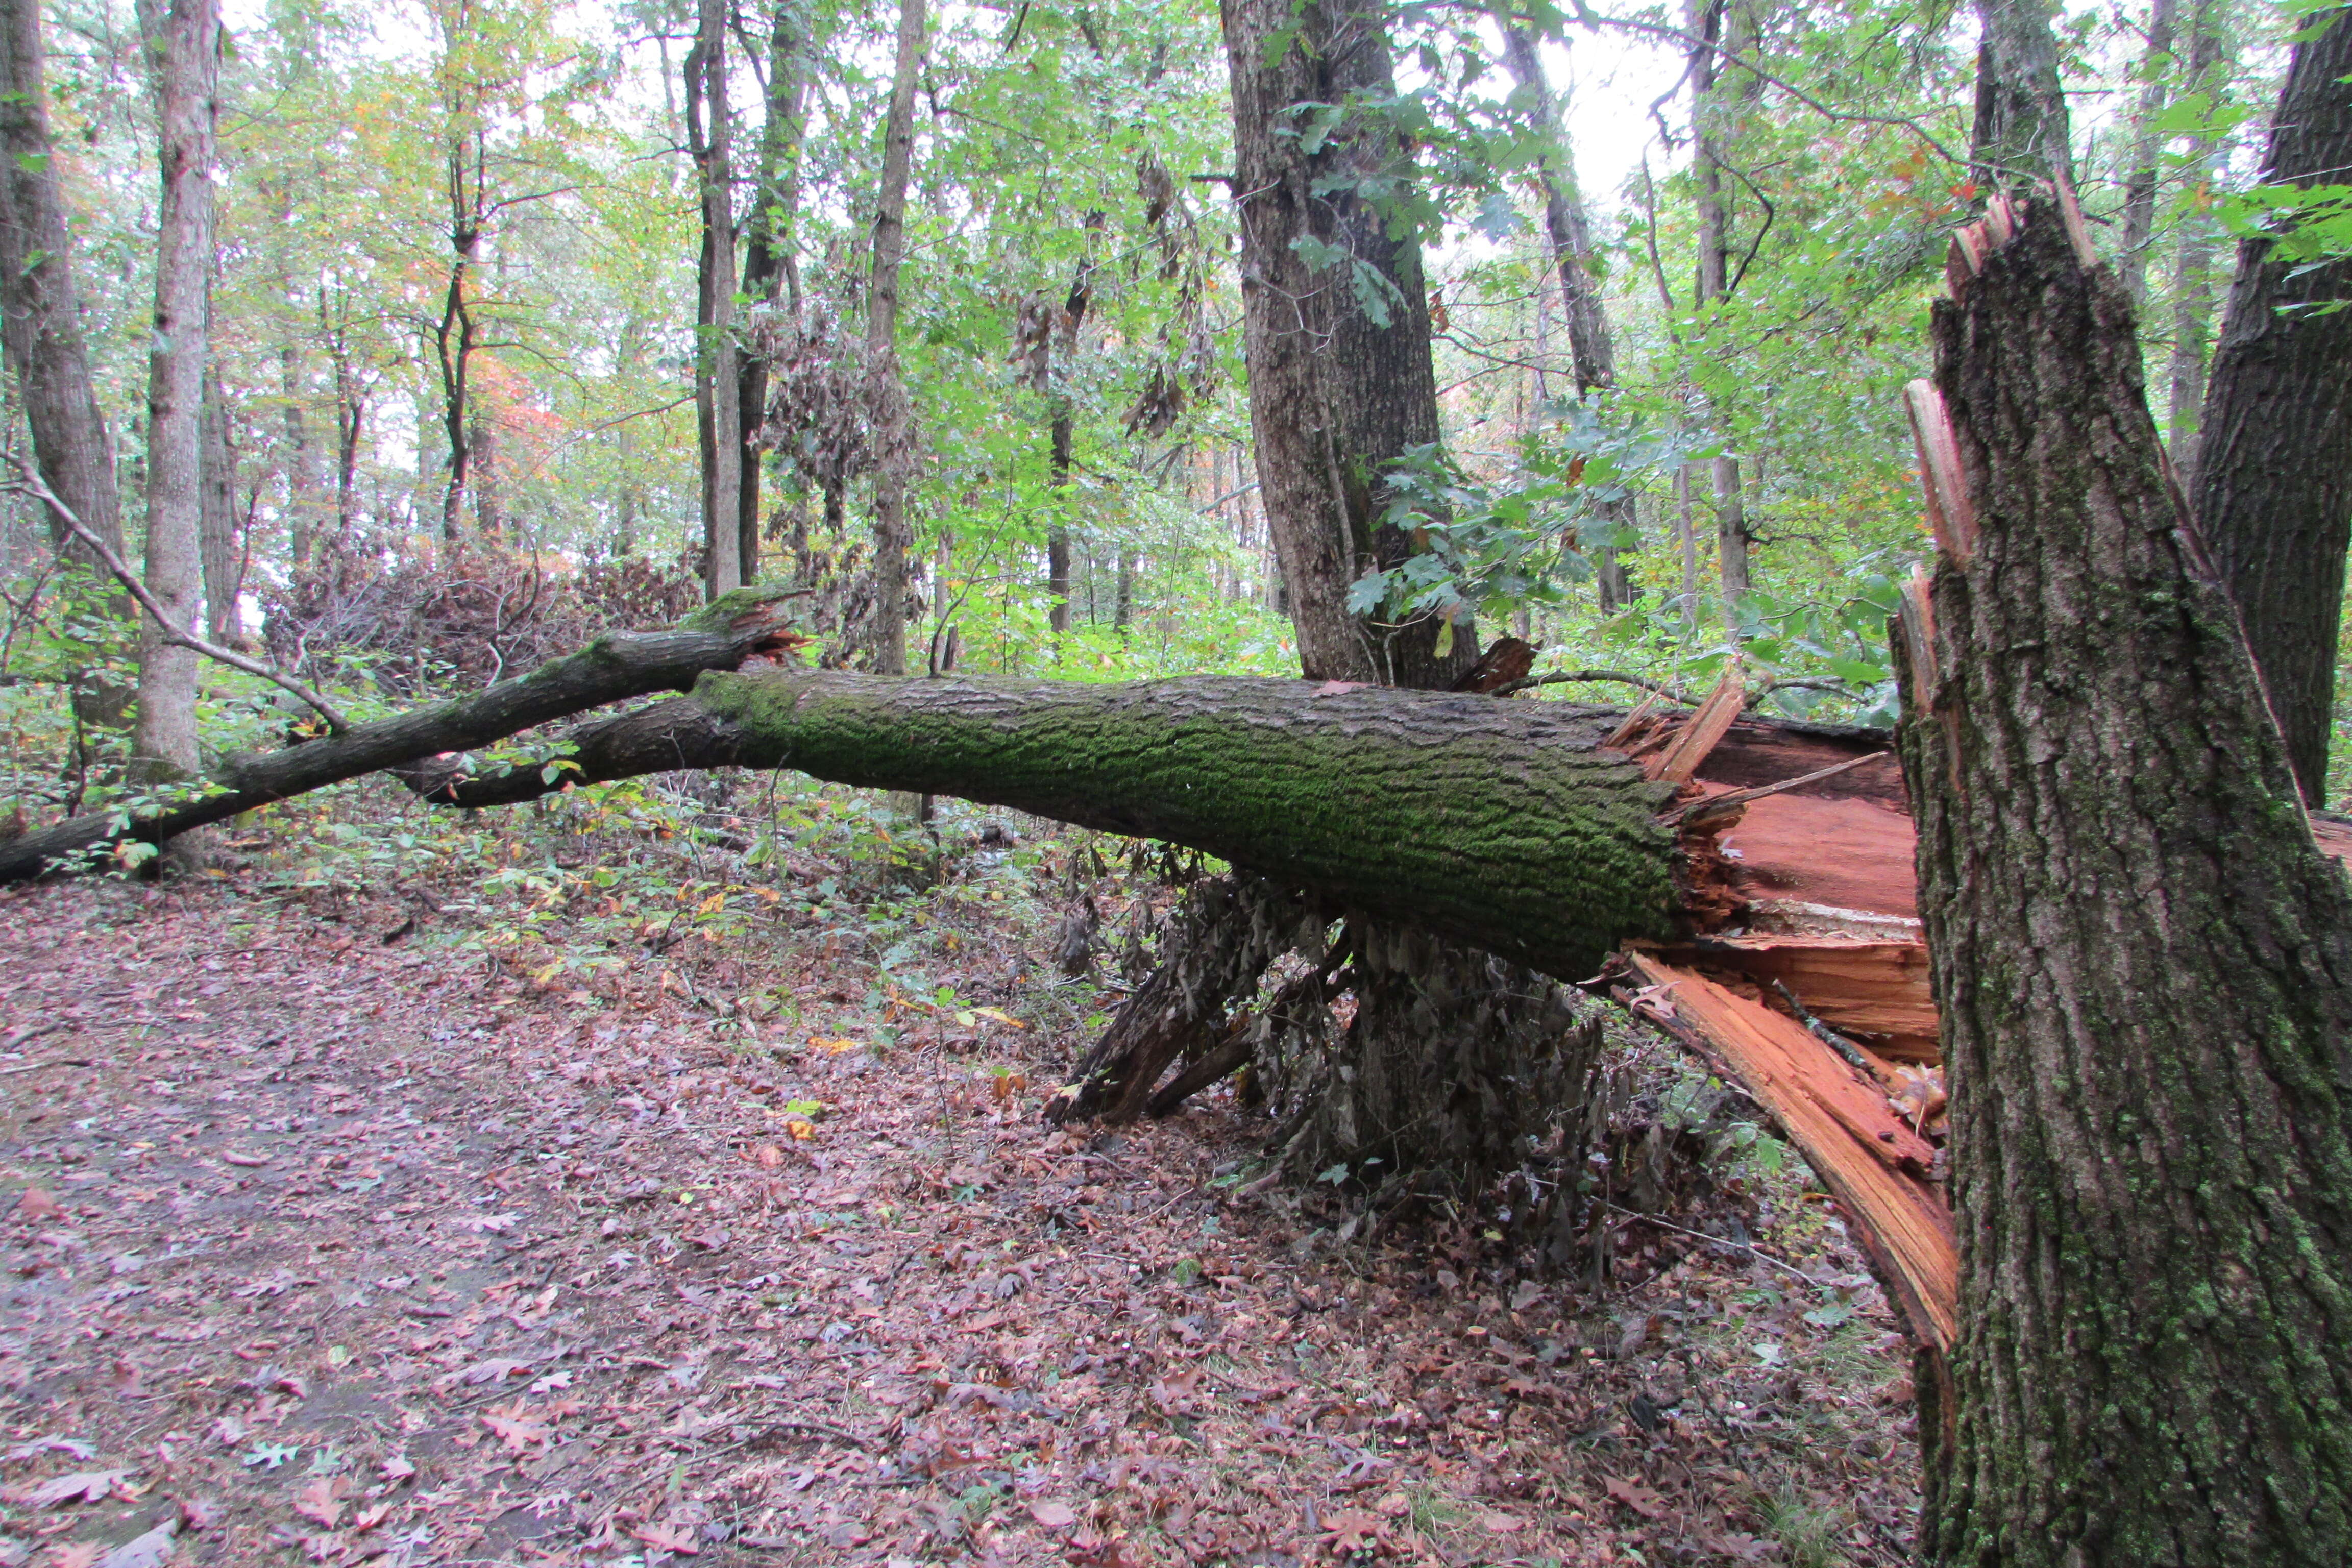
(33, 485)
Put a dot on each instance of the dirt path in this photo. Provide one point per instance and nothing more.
(323, 1251)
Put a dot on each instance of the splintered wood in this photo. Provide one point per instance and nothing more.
(1878, 1167)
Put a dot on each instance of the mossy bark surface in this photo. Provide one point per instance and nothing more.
(2145, 971)
(1501, 824)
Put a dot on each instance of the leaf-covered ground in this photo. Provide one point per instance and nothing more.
(320, 1247)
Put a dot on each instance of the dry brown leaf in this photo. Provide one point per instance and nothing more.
(678, 1537)
(322, 1500)
(1637, 1497)
(91, 1486)
(1054, 1515)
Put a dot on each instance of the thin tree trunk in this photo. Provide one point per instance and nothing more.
(2193, 282)
(769, 267)
(1591, 346)
(1057, 357)
(465, 170)
(224, 621)
(40, 328)
(2274, 470)
(2139, 182)
(718, 385)
(892, 411)
(2145, 971)
(182, 42)
(301, 462)
(1720, 100)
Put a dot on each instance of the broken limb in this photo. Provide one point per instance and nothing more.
(720, 636)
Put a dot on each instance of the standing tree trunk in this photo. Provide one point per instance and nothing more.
(1341, 386)
(2192, 280)
(2144, 966)
(770, 267)
(2274, 470)
(718, 389)
(1592, 347)
(1053, 356)
(1450, 1056)
(2019, 135)
(2139, 181)
(891, 410)
(40, 328)
(455, 331)
(182, 42)
(1719, 106)
(224, 622)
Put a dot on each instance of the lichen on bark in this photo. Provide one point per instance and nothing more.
(2145, 970)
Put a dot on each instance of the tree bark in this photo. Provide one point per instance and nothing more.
(2145, 971)
(1591, 346)
(2157, 66)
(1500, 824)
(2020, 136)
(1341, 385)
(1718, 107)
(1057, 353)
(224, 580)
(718, 389)
(891, 409)
(40, 327)
(2192, 282)
(2275, 467)
(182, 42)
(769, 267)
(622, 665)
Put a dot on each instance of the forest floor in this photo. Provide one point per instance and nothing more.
(325, 1240)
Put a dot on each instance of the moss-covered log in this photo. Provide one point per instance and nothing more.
(614, 667)
(1501, 823)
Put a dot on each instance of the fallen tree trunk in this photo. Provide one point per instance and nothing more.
(720, 636)
(1503, 824)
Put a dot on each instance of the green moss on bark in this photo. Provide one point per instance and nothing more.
(1496, 822)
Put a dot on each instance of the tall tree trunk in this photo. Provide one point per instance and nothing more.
(891, 410)
(1054, 357)
(770, 267)
(2274, 466)
(2019, 135)
(1719, 100)
(2192, 280)
(182, 42)
(2145, 971)
(224, 621)
(718, 386)
(482, 461)
(456, 331)
(1341, 385)
(1592, 347)
(301, 460)
(2141, 180)
(40, 329)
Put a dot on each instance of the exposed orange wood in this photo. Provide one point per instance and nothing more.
(1707, 726)
(1841, 1125)
(1852, 853)
(1950, 514)
(1874, 990)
